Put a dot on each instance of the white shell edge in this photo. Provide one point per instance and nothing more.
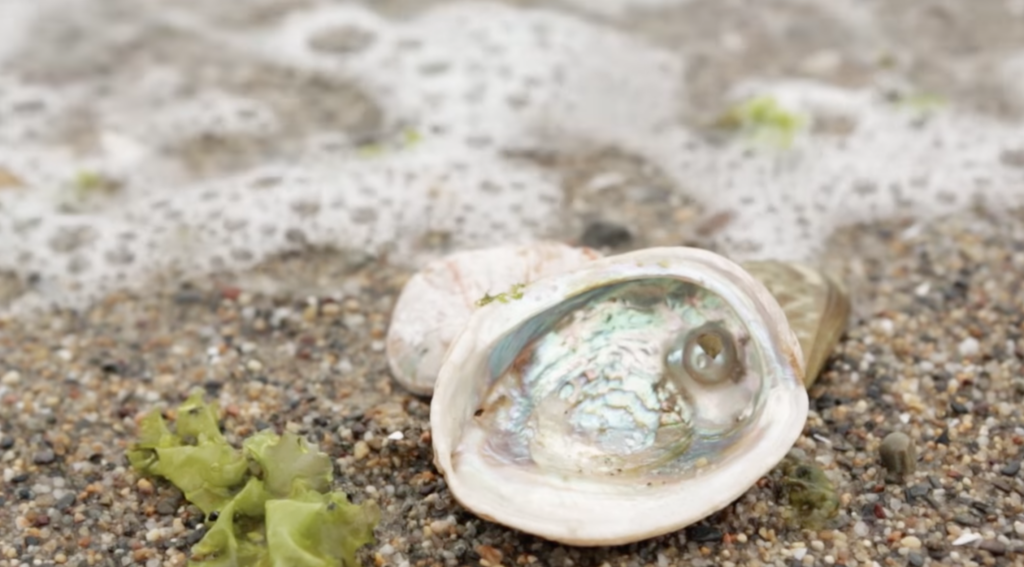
(436, 302)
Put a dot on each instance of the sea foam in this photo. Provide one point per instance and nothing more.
(176, 143)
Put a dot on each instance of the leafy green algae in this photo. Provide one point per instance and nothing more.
(764, 121)
(273, 497)
(812, 498)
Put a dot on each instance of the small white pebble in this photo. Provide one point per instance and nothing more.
(885, 326)
(396, 436)
(968, 347)
(966, 538)
(860, 529)
(799, 553)
(11, 378)
(254, 365)
(818, 545)
(1018, 527)
(911, 542)
(440, 527)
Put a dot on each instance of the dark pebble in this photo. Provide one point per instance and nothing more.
(168, 506)
(1011, 468)
(965, 520)
(703, 534)
(958, 408)
(918, 490)
(604, 234)
(25, 494)
(992, 546)
(915, 559)
(943, 438)
(188, 297)
(6, 442)
(194, 536)
(19, 478)
(65, 502)
(112, 367)
(213, 387)
(32, 541)
(44, 457)
(982, 507)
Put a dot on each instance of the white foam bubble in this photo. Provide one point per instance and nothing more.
(15, 19)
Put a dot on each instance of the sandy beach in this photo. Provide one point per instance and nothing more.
(295, 341)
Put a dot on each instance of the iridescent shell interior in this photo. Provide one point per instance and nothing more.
(624, 399)
(651, 375)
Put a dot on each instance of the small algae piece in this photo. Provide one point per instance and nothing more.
(289, 464)
(197, 459)
(272, 496)
(316, 529)
(922, 102)
(811, 495)
(515, 292)
(765, 121)
(411, 137)
(898, 456)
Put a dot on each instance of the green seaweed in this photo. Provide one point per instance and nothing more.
(272, 497)
(515, 292)
(812, 498)
(765, 121)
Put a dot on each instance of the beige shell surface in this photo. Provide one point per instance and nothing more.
(436, 302)
(580, 507)
(817, 307)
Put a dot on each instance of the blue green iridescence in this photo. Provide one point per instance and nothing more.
(589, 385)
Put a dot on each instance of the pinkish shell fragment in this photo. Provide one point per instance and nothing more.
(437, 302)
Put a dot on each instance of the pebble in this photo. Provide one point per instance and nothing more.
(44, 457)
(968, 347)
(911, 542)
(604, 234)
(992, 546)
(1011, 468)
(967, 537)
(361, 450)
(898, 456)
